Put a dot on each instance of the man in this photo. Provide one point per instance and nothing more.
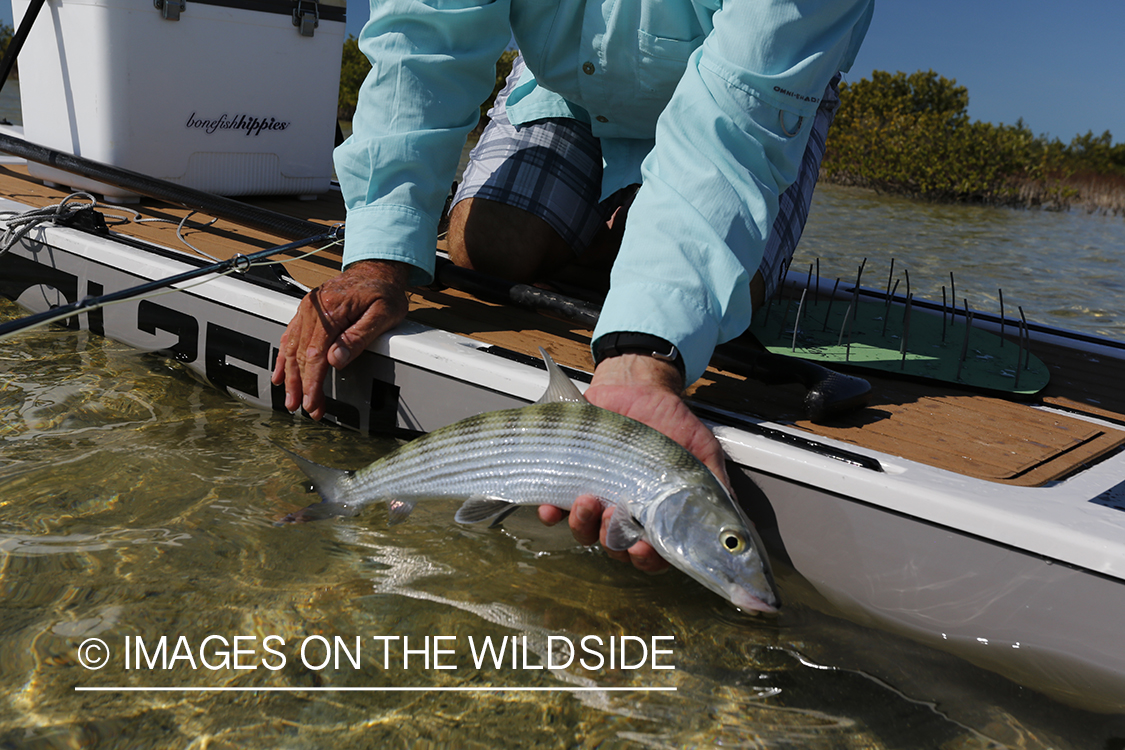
(707, 105)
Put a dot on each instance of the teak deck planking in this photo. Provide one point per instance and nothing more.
(969, 433)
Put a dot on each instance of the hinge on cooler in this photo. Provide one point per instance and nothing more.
(170, 9)
(306, 16)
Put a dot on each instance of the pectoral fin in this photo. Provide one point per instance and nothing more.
(398, 510)
(480, 508)
(559, 387)
(623, 531)
(504, 514)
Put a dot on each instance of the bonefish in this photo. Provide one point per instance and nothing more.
(552, 452)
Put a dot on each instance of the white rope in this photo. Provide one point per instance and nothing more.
(179, 229)
(19, 224)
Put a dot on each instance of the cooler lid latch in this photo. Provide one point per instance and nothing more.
(170, 10)
(306, 16)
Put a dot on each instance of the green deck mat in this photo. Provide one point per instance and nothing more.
(867, 333)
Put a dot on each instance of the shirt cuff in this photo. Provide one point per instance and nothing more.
(392, 232)
(666, 312)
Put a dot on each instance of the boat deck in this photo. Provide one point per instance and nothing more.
(973, 434)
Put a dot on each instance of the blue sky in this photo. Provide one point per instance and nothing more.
(1059, 65)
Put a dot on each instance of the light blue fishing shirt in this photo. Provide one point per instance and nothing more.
(707, 103)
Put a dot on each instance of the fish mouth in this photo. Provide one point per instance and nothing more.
(747, 602)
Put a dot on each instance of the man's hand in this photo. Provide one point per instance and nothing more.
(648, 391)
(334, 323)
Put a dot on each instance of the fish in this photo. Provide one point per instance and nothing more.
(551, 452)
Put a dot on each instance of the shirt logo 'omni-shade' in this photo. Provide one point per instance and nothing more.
(251, 125)
(795, 95)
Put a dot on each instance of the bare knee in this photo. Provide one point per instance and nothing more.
(504, 241)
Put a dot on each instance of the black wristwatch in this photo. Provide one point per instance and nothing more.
(628, 342)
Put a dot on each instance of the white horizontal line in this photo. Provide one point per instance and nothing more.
(372, 689)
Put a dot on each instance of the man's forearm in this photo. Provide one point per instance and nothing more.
(388, 271)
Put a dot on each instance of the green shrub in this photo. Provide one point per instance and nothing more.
(912, 134)
(1097, 154)
(354, 67)
(6, 34)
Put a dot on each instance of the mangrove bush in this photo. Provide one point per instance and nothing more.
(6, 34)
(912, 135)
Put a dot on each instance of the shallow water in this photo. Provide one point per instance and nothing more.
(139, 503)
(10, 102)
(1064, 269)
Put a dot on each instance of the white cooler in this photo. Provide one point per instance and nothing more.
(235, 97)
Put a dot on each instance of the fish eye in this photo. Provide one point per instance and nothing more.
(732, 541)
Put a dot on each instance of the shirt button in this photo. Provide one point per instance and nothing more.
(588, 68)
(602, 118)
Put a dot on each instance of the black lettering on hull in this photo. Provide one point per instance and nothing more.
(152, 316)
(18, 274)
(231, 359)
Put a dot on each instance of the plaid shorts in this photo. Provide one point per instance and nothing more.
(553, 169)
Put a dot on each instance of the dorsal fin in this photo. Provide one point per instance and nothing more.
(559, 387)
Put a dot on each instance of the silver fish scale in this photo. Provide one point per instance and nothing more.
(509, 454)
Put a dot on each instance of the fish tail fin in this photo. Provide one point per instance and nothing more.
(328, 483)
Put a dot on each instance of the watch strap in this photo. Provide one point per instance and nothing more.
(629, 342)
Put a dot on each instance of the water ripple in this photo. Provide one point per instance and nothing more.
(56, 544)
